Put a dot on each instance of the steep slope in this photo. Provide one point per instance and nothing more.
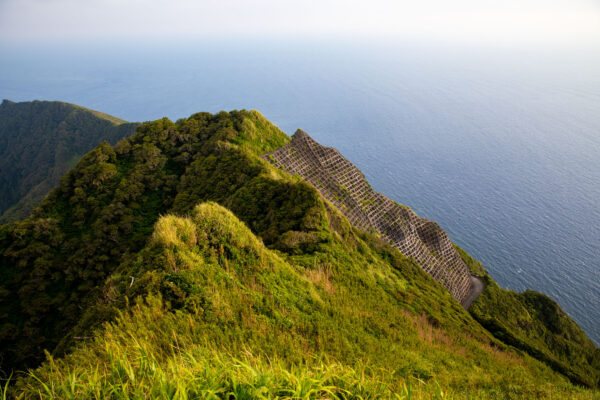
(534, 323)
(39, 142)
(340, 182)
(281, 283)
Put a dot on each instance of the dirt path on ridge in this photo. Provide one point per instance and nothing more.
(478, 287)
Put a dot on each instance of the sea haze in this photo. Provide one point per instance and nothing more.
(501, 146)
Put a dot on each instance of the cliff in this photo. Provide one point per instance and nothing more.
(340, 182)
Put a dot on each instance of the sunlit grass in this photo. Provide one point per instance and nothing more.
(132, 368)
(206, 311)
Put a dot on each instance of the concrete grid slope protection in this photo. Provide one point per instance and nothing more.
(340, 182)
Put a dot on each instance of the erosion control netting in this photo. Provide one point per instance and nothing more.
(340, 182)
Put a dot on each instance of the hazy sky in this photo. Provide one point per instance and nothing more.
(487, 20)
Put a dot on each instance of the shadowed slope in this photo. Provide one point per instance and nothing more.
(39, 142)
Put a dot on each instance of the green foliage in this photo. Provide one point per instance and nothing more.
(104, 210)
(133, 367)
(179, 263)
(534, 323)
(207, 311)
(40, 142)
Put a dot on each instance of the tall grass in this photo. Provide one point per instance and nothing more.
(134, 372)
(214, 314)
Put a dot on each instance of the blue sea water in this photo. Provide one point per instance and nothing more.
(499, 145)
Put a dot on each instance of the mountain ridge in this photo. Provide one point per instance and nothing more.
(181, 244)
(39, 142)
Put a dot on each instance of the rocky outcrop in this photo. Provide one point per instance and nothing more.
(340, 182)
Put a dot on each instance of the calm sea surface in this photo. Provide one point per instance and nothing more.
(500, 146)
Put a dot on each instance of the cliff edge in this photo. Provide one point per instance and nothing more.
(340, 182)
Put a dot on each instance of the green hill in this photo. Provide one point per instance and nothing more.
(39, 142)
(534, 323)
(179, 264)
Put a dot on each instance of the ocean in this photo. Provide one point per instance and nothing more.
(498, 144)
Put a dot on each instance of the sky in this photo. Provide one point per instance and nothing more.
(551, 21)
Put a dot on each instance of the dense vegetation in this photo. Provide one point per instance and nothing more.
(39, 142)
(534, 323)
(207, 311)
(178, 264)
(105, 208)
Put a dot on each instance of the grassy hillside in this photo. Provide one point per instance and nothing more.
(104, 210)
(207, 311)
(534, 323)
(39, 142)
(178, 264)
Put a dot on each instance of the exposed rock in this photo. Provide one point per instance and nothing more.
(340, 182)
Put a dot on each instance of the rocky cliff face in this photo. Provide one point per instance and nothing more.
(340, 182)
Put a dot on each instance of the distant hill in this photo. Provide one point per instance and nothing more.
(39, 142)
(179, 263)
